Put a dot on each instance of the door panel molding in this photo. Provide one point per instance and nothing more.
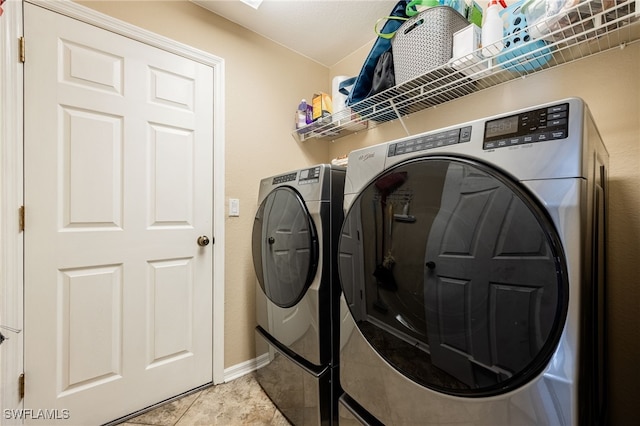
(100, 20)
(11, 177)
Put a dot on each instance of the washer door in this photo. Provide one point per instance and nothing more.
(285, 247)
(461, 281)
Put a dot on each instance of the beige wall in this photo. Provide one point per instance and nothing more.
(610, 85)
(264, 83)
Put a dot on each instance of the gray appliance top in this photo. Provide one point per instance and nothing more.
(313, 183)
(548, 141)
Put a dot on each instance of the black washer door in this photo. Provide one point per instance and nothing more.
(463, 285)
(285, 247)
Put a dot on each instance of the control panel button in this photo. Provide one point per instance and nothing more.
(557, 115)
(515, 141)
(540, 137)
(465, 134)
(558, 108)
(558, 134)
(559, 122)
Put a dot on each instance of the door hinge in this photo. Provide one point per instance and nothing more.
(21, 219)
(21, 386)
(21, 49)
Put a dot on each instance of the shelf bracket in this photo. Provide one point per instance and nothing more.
(395, 110)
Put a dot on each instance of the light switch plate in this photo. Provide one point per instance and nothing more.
(234, 207)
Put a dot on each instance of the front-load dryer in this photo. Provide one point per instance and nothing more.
(294, 243)
(472, 266)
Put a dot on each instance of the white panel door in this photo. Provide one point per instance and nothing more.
(118, 188)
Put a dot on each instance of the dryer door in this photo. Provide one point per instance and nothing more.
(285, 247)
(463, 285)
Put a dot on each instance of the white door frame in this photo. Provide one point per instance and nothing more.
(11, 198)
(11, 178)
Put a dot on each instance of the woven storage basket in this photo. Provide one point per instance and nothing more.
(425, 42)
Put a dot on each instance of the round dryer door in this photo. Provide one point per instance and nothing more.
(459, 279)
(285, 247)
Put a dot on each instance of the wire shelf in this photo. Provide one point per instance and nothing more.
(579, 32)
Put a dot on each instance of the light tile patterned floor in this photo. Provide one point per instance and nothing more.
(239, 402)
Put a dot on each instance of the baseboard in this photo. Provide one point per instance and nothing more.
(246, 367)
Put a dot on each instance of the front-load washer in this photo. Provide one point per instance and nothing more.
(472, 266)
(294, 243)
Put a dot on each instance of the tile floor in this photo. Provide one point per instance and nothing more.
(239, 402)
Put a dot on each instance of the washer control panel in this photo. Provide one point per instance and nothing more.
(308, 176)
(528, 127)
(432, 140)
(289, 177)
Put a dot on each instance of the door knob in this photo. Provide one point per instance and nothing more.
(203, 240)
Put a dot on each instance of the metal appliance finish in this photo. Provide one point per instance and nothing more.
(472, 267)
(295, 236)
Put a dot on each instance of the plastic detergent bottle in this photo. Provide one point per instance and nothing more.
(492, 29)
(301, 114)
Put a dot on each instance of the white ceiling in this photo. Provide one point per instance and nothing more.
(324, 30)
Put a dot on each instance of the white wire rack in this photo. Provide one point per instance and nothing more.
(579, 32)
